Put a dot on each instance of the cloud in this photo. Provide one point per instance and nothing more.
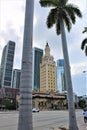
(10, 34)
(41, 33)
(78, 68)
(12, 26)
(79, 84)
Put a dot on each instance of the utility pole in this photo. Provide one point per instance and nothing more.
(85, 71)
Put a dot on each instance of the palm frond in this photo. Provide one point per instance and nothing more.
(85, 30)
(58, 27)
(66, 20)
(86, 51)
(51, 18)
(84, 42)
(75, 10)
(48, 3)
(70, 14)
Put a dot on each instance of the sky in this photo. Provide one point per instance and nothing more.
(12, 14)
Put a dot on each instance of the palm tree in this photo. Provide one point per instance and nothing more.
(84, 42)
(25, 107)
(61, 14)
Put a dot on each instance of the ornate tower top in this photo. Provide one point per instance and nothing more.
(47, 44)
(47, 50)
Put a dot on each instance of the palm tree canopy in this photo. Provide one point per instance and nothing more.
(61, 10)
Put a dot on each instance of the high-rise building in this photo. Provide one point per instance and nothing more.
(47, 72)
(16, 78)
(37, 57)
(7, 64)
(61, 85)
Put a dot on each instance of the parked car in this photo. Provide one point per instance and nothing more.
(35, 110)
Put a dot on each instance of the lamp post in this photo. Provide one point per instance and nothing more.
(85, 71)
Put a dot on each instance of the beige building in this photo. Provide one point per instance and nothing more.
(49, 100)
(47, 72)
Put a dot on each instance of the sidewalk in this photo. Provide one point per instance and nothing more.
(82, 126)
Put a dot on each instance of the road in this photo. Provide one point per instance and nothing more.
(44, 120)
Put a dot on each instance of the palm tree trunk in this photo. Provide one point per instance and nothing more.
(72, 116)
(25, 107)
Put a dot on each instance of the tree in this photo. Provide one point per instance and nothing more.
(25, 106)
(61, 14)
(84, 42)
(82, 103)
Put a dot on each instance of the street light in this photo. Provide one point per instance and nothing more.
(86, 83)
(86, 87)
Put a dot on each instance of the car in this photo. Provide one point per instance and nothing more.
(35, 110)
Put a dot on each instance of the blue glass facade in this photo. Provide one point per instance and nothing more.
(60, 63)
(16, 78)
(61, 85)
(37, 58)
(7, 64)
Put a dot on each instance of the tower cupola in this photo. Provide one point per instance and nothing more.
(47, 50)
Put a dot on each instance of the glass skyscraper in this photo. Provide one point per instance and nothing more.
(16, 78)
(37, 58)
(7, 64)
(61, 85)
